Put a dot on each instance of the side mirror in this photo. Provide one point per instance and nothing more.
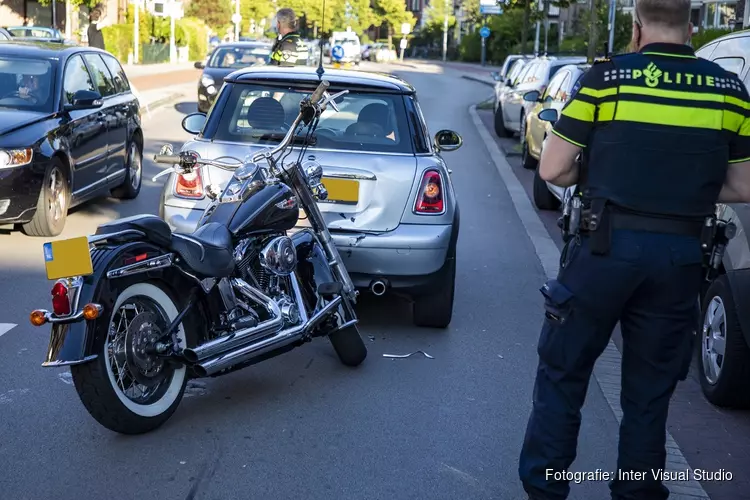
(448, 140)
(193, 123)
(509, 82)
(532, 96)
(199, 65)
(85, 99)
(495, 76)
(548, 115)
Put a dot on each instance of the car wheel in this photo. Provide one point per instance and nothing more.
(543, 197)
(436, 309)
(500, 129)
(723, 354)
(133, 174)
(528, 161)
(52, 206)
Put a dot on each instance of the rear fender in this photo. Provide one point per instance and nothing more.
(312, 265)
(739, 283)
(75, 343)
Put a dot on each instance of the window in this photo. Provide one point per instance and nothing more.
(239, 57)
(102, 77)
(422, 133)
(540, 73)
(706, 51)
(121, 81)
(76, 78)
(26, 84)
(733, 47)
(260, 114)
(732, 64)
(517, 72)
(527, 74)
(554, 86)
(563, 91)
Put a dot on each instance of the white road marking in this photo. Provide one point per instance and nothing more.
(608, 366)
(6, 327)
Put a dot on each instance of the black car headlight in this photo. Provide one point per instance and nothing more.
(209, 84)
(10, 158)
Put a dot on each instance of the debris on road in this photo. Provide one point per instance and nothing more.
(195, 388)
(66, 377)
(407, 355)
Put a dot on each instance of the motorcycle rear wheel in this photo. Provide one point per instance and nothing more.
(103, 384)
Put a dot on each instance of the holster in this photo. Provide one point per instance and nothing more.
(597, 222)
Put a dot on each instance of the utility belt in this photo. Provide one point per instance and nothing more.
(600, 218)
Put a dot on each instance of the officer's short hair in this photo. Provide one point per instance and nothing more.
(668, 13)
(286, 18)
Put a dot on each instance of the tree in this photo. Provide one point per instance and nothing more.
(254, 10)
(215, 13)
(393, 13)
(356, 14)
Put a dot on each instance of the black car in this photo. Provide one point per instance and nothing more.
(70, 130)
(225, 59)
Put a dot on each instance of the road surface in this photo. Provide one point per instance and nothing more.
(302, 426)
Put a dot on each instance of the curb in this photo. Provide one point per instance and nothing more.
(407, 65)
(477, 79)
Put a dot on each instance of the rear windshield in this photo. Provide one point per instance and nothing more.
(258, 114)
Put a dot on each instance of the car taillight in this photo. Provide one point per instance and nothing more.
(60, 300)
(189, 185)
(430, 195)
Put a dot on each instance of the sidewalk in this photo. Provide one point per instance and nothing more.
(151, 100)
(139, 70)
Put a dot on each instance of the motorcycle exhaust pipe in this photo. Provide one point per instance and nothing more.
(242, 337)
(378, 287)
(283, 338)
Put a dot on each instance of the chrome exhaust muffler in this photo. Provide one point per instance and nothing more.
(242, 337)
(254, 349)
(378, 287)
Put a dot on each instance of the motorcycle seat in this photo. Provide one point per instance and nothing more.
(208, 251)
(155, 229)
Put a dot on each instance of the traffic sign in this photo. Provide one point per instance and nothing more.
(484, 32)
(405, 29)
(337, 52)
(236, 18)
(489, 7)
(403, 44)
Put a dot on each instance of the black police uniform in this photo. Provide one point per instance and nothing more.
(289, 50)
(658, 128)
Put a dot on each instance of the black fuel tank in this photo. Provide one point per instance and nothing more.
(271, 208)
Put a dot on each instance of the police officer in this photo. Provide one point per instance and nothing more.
(289, 50)
(664, 136)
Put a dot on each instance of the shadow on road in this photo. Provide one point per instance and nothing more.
(186, 107)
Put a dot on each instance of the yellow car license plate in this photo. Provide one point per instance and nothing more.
(344, 191)
(68, 258)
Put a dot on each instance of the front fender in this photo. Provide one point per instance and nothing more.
(739, 283)
(72, 343)
(312, 265)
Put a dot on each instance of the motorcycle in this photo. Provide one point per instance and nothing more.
(137, 310)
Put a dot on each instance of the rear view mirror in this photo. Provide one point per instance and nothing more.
(495, 76)
(532, 96)
(448, 140)
(199, 65)
(548, 115)
(193, 123)
(509, 82)
(85, 99)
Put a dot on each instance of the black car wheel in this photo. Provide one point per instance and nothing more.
(500, 129)
(436, 309)
(543, 197)
(133, 174)
(723, 354)
(52, 206)
(528, 161)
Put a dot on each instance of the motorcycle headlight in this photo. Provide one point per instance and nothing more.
(207, 81)
(10, 158)
(313, 171)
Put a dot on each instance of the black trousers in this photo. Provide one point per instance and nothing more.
(650, 283)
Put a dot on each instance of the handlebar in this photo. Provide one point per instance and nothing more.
(317, 95)
(166, 159)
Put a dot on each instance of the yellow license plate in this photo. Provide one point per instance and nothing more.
(344, 191)
(68, 258)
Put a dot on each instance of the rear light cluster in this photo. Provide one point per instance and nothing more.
(430, 195)
(189, 185)
(60, 299)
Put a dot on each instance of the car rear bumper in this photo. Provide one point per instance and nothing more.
(19, 193)
(180, 219)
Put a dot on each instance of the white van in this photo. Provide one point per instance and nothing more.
(349, 41)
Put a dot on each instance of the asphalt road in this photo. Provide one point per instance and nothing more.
(302, 426)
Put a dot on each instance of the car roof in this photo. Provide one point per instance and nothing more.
(247, 43)
(308, 74)
(41, 49)
(728, 36)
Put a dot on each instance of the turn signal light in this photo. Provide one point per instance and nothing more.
(189, 185)
(90, 311)
(37, 318)
(430, 195)
(60, 300)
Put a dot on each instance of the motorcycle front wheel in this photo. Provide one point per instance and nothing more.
(126, 389)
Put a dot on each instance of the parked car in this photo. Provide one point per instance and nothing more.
(366, 51)
(39, 33)
(383, 53)
(225, 59)
(554, 97)
(77, 136)
(723, 350)
(504, 80)
(391, 207)
(534, 76)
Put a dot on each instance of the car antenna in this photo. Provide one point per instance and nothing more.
(320, 70)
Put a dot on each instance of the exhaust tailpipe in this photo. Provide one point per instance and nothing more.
(378, 287)
(239, 338)
(254, 349)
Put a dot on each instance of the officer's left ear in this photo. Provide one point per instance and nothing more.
(689, 34)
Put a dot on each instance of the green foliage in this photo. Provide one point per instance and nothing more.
(75, 3)
(118, 39)
(393, 13)
(470, 49)
(255, 9)
(704, 36)
(217, 14)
